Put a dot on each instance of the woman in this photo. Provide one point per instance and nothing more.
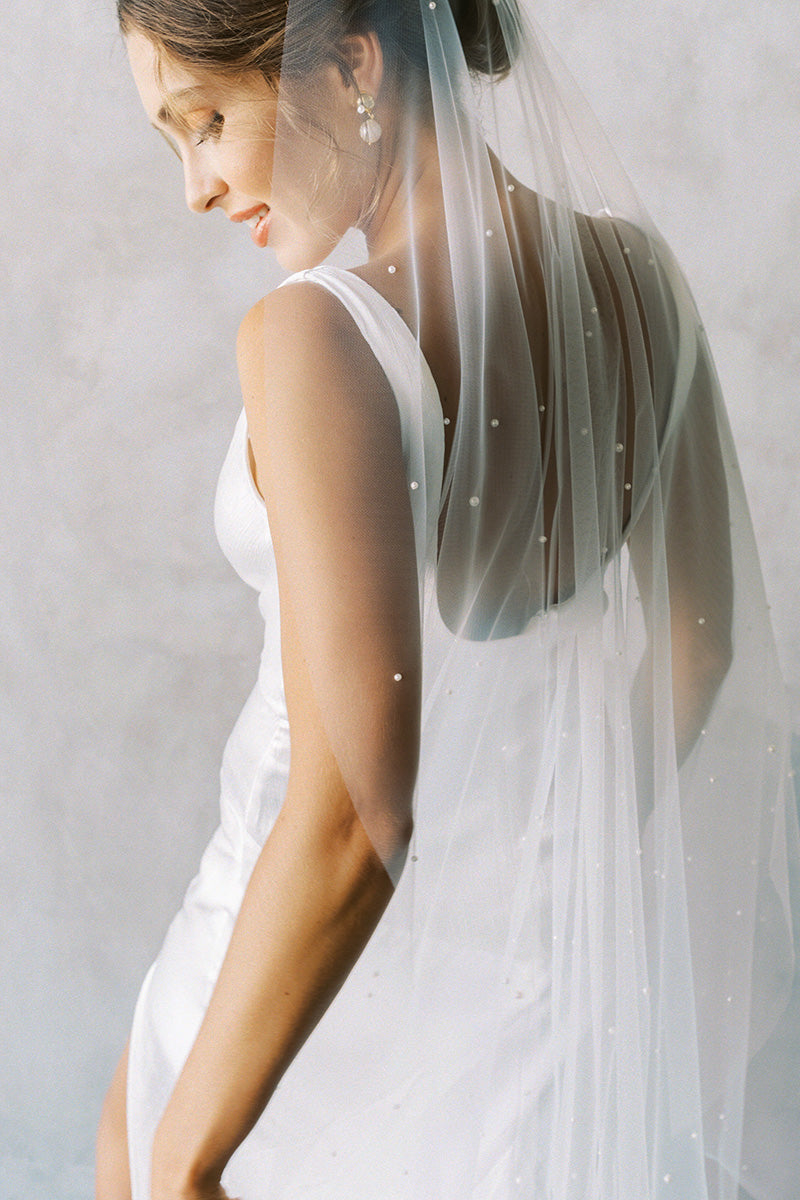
(514, 917)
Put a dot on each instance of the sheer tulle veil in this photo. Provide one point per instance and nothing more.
(605, 836)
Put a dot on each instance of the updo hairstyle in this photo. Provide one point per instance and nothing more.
(235, 36)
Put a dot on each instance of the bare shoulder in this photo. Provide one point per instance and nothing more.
(315, 396)
(288, 316)
(300, 341)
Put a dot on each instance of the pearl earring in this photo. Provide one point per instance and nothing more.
(370, 130)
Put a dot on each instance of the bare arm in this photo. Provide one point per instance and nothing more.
(325, 437)
(700, 581)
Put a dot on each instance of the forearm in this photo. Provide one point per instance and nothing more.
(316, 894)
(695, 682)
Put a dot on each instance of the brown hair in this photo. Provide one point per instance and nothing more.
(233, 36)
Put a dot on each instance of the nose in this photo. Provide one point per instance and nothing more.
(203, 186)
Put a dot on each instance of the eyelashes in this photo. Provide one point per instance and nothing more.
(212, 128)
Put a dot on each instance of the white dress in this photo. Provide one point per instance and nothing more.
(371, 1100)
(433, 1074)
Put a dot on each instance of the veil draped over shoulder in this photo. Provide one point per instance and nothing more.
(591, 941)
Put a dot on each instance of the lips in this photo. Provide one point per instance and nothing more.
(259, 227)
(250, 214)
(257, 218)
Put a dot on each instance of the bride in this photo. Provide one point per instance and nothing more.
(499, 901)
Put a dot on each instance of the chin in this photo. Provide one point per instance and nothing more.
(299, 248)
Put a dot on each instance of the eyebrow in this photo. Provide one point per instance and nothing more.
(163, 115)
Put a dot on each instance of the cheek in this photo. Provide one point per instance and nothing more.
(315, 200)
(253, 170)
(317, 196)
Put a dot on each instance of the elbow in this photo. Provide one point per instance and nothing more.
(356, 834)
(374, 818)
(403, 833)
(383, 784)
(389, 828)
(396, 853)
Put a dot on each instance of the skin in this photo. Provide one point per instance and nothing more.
(288, 958)
(223, 131)
(319, 886)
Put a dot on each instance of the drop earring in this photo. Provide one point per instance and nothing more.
(370, 130)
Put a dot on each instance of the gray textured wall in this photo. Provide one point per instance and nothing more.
(127, 646)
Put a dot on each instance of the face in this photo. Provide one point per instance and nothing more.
(225, 136)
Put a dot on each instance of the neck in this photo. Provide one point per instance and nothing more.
(410, 206)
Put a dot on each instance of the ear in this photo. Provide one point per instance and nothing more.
(365, 56)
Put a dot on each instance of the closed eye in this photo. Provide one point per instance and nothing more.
(212, 128)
